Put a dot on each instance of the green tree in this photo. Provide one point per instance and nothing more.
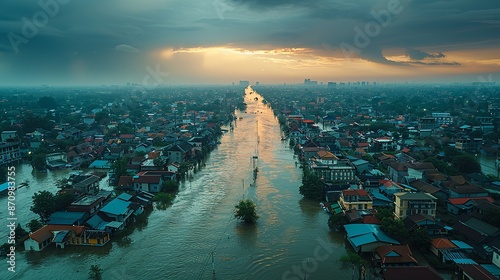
(38, 162)
(62, 183)
(43, 204)
(420, 237)
(63, 200)
(95, 272)
(312, 186)
(246, 210)
(20, 232)
(442, 166)
(354, 260)
(394, 228)
(466, 164)
(184, 168)
(170, 186)
(119, 167)
(163, 200)
(336, 221)
(47, 102)
(384, 213)
(159, 162)
(34, 225)
(3, 174)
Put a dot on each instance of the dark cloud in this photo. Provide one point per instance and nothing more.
(421, 55)
(95, 30)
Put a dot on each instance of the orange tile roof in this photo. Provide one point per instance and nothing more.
(46, 232)
(442, 243)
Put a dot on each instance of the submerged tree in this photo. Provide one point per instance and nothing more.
(312, 186)
(95, 272)
(246, 210)
(43, 204)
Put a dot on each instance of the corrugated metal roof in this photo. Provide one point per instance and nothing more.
(116, 207)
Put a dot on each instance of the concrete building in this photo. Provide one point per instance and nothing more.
(407, 204)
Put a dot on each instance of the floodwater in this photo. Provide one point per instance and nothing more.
(198, 237)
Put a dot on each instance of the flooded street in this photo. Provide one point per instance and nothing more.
(181, 241)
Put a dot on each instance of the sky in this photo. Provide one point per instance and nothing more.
(151, 42)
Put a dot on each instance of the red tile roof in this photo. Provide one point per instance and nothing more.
(354, 192)
(404, 252)
(464, 200)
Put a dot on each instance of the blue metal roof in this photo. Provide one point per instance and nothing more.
(94, 221)
(363, 239)
(380, 196)
(114, 224)
(100, 164)
(461, 244)
(464, 261)
(66, 218)
(367, 233)
(4, 186)
(491, 268)
(124, 196)
(116, 207)
(59, 236)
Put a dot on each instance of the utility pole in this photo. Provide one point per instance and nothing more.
(213, 264)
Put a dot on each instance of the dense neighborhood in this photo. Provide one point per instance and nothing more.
(397, 167)
(394, 165)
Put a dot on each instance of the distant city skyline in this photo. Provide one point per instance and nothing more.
(169, 42)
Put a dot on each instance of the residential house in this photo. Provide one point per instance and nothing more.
(68, 218)
(120, 210)
(180, 151)
(355, 199)
(173, 167)
(88, 203)
(127, 138)
(410, 273)
(414, 203)
(328, 167)
(143, 182)
(422, 186)
(86, 184)
(473, 272)
(390, 188)
(56, 160)
(197, 143)
(475, 231)
(145, 148)
(393, 255)
(366, 238)
(9, 152)
(465, 205)
(361, 165)
(397, 170)
(380, 200)
(384, 144)
(40, 239)
(468, 144)
(427, 222)
(457, 186)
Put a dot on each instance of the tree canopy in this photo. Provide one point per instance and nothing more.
(312, 186)
(246, 210)
(43, 204)
(466, 163)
